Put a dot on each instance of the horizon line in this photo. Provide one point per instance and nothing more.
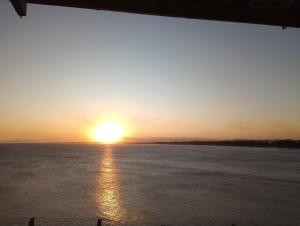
(154, 141)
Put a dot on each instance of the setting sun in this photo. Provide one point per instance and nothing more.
(108, 133)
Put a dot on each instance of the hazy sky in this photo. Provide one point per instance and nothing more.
(63, 70)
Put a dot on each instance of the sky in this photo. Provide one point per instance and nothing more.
(65, 70)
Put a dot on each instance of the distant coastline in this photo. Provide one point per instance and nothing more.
(240, 143)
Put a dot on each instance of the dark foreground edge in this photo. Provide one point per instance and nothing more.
(44, 221)
(284, 13)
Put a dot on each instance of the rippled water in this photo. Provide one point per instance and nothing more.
(177, 185)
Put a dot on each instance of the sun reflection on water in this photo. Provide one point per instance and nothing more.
(108, 193)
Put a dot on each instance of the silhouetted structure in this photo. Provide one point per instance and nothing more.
(285, 13)
(31, 222)
(99, 222)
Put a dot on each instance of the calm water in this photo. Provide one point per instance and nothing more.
(141, 184)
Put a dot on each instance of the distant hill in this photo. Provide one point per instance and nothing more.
(245, 143)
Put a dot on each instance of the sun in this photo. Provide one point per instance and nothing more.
(108, 133)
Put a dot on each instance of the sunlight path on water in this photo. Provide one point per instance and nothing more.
(108, 193)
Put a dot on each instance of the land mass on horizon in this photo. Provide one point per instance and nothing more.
(285, 143)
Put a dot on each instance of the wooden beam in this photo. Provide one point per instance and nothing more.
(223, 10)
(285, 13)
(20, 6)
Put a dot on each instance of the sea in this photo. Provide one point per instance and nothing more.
(77, 184)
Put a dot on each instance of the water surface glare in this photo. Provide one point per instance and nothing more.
(151, 184)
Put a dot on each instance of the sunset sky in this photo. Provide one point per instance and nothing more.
(64, 70)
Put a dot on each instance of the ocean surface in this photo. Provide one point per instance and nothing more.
(151, 184)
